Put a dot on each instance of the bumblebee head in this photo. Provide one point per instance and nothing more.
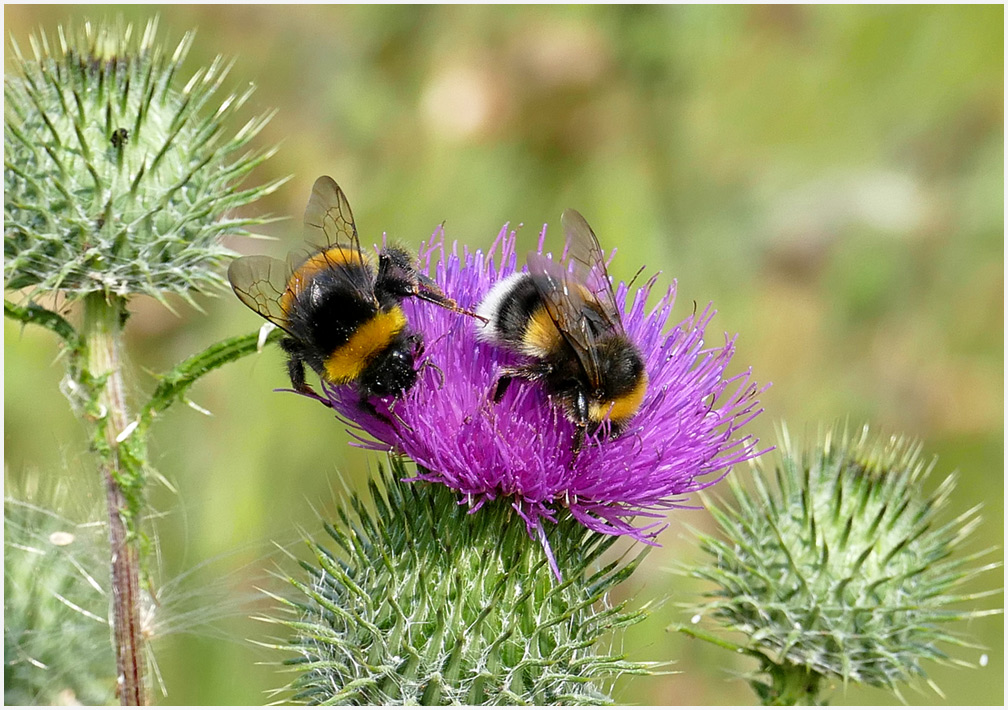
(397, 277)
(391, 371)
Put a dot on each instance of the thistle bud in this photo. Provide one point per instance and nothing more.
(415, 600)
(846, 569)
(116, 180)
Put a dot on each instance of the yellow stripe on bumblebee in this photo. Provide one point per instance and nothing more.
(623, 407)
(346, 363)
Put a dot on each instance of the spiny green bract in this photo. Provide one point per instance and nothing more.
(422, 602)
(846, 571)
(57, 648)
(115, 180)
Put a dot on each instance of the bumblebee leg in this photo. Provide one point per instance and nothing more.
(296, 366)
(500, 387)
(581, 410)
(429, 363)
(577, 442)
(416, 341)
(366, 405)
(509, 373)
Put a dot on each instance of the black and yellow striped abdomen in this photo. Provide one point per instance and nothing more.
(594, 372)
(327, 306)
(372, 337)
(517, 317)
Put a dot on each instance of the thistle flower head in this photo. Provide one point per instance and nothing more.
(116, 180)
(411, 601)
(684, 437)
(846, 571)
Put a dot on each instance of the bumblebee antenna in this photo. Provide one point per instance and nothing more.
(449, 304)
(429, 291)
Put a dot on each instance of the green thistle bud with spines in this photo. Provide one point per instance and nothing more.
(422, 602)
(845, 571)
(116, 180)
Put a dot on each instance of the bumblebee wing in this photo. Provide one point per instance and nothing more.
(328, 218)
(297, 257)
(578, 294)
(260, 283)
(329, 226)
(585, 254)
(566, 303)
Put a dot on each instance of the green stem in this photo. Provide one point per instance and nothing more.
(174, 384)
(37, 315)
(789, 684)
(102, 334)
(96, 351)
(710, 638)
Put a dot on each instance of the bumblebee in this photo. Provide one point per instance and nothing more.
(563, 318)
(339, 305)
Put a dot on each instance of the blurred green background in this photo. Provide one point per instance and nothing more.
(831, 178)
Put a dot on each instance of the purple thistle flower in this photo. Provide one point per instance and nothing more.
(684, 438)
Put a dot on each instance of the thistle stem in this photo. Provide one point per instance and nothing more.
(102, 333)
(790, 685)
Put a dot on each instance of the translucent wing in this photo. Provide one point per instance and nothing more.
(585, 254)
(328, 212)
(260, 283)
(330, 229)
(577, 293)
